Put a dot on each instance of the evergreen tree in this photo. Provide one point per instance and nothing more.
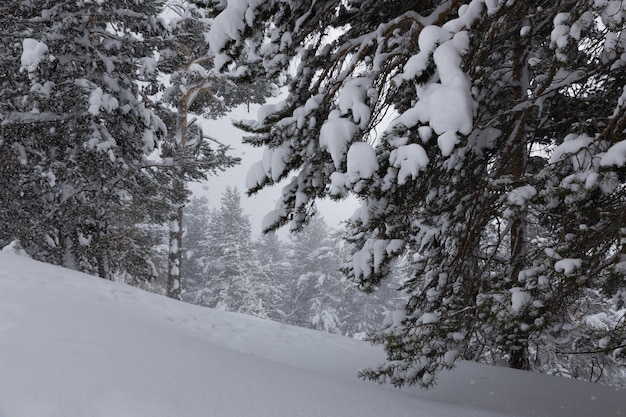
(318, 296)
(500, 178)
(583, 349)
(234, 279)
(195, 246)
(316, 290)
(273, 258)
(193, 90)
(366, 311)
(75, 136)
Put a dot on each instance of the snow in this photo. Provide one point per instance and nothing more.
(615, 155)
(429, 38)
(148, 141)
(229, 25)
(362, 162)
(425, 133)
(273, 164)
(338, 182)
(447, 106)
(572, 148)
(352, 99)
(198, 69)
(568, 265)
(98, 99)
(493, 6)
(148, 66)
(410, 159)
(450, 356)
(335, 135)
(519, 299)
(395, 245)
(76, 346)
(604, 342)
(33, 52)
(447, 141)
(361, 262)
(470, 13)
(255, 175)
(560, 34)
(613, 13)
(520, 196)
(15, 248)
(44, 89)
(269, 219)
(613, 48)
(428, 318)
(279, 159)
(269, 108)
(174, 228)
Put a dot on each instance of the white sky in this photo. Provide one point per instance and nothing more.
(263, 202)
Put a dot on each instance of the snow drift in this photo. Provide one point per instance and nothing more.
(72, 345)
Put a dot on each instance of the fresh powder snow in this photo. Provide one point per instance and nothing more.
(33, 52)
(361, 161)
(73, 345)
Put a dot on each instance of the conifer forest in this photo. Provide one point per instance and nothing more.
(485, 141)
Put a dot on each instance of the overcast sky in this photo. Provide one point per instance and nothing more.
(263, 202)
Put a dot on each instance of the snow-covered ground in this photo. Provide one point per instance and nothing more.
(78, 346)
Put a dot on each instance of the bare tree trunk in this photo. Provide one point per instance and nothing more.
(175, 253)
(192, 92)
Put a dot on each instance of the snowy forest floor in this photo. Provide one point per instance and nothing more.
(72, 345)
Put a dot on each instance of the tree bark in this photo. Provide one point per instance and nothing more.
(174, 288)
(175, 254)
(518, 352)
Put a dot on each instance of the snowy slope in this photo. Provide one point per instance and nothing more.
(77, 346)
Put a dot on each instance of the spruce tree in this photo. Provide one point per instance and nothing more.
(316, 290)
(75, 135)
(320, 297)
(195, 90)
(195, 246)
(500, 176)
(234, 280)
(273, 259)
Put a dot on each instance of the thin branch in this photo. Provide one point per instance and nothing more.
(590, 352)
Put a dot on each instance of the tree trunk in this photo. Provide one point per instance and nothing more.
(518, 357)
(518, 352)
(174, 259)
